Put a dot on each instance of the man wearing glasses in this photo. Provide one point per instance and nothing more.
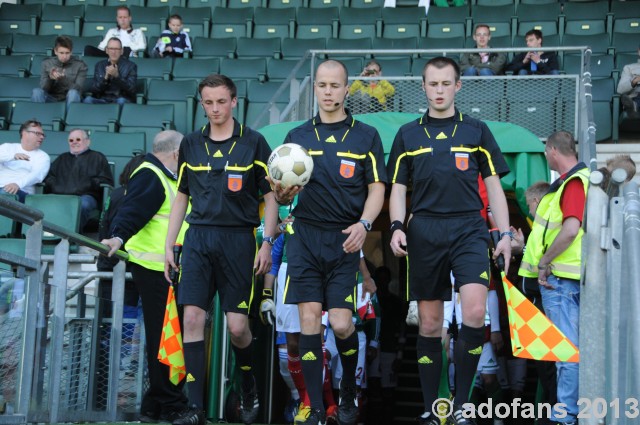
(80, 172)
(23, 165)
(115, 78)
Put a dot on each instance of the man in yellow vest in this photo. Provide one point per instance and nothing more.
(141, 225)
(553, 255)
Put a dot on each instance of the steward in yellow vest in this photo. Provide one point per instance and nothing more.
(141, 224)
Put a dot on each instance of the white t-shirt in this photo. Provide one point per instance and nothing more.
(26, 174)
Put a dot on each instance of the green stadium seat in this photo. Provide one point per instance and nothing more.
(317, 23)
(537, 106)
(271, 23)
(214, 48)
(164, 3)
(601, 66)
(36, 65)
(244, 69)
(150, 119)
(349, 44)
(61, 210)
(382, 43)
(280, 69)
(626, 17)
(6, 42)
(181, 94)
(285, 4)
(447, 22)
(151, 20)
(251, 48)
(33, 44)
(83, 2)
(15, 66)
(361, 4)
(98, 19)
(51, 115)
(211, 4)
(395, 67)
(7, 230)
(587, 18)
(7, 136)
(482, 101)
(403, 22)
(603, 99)
(319, 4)
(492, 3)
(231, 22)
(16, 88)
(535, 2)
(501, 19)
(196, 20)
(19, 18)
(259, 95)
(61, 20)
(543, 18)
(194, 69)
(101, 117)
(12, 244)
(79, 43)
(354, 66)
(56, 143)
(43, 2)
(6, 111)
(238, 4)
(150, 68)
(359, 23)
(623, 59)
(623, 43)
(128, 3)
(119, 148)
(599, 44)
(441, 44)
(298, 47)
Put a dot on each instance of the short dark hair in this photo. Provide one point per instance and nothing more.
(114, 39)
(174, 16)
(564, 142)
(29, 123)
(131, 166)
(535, 33)
(374, 62)
(481, 26)
(218, 80)
(442, 62)
(63, 41)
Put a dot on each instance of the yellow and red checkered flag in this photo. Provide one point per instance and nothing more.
(533, 335)
(171, 351)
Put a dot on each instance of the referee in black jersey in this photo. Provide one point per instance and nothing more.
(333, 215)
(221, 170)
(441, 155)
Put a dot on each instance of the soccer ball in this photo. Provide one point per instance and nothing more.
(290, 164)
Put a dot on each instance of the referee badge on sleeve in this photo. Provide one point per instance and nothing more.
(462, 161)
(347, 168)
(234, 182)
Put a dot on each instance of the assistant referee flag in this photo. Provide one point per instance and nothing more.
(171, 351)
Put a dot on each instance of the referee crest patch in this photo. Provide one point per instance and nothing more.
(347, 168)
(462, 161)
(234, 182)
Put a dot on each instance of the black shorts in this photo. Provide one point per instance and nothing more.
(318, 268)
(217, 259)
(439, 246)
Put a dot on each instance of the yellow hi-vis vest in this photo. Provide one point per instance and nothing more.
(546, 226)
(147, 246)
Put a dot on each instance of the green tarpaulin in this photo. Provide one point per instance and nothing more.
(523, 151)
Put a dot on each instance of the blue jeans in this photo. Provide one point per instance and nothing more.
(41, 96)
(120, 101)
(562, 306)
(87, 205)
(481, 72)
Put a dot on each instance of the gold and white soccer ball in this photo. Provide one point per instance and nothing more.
(291, 164)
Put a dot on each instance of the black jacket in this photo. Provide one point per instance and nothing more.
(548, 62)
(113, 88)
(79, 174)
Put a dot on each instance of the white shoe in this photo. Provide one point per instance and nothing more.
(412, 314)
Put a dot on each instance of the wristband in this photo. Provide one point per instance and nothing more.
(396, 225)
(509, 233)
(267, 292)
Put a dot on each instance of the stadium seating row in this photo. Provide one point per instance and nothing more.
(576, 18)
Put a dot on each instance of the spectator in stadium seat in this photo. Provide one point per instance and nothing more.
(629, 88)
(115, 78)
(81, 172)
(133, 40)
(173, 41)
(23, 165)
(483, 64)
(534, 62)
(372, 96)
(62, 76)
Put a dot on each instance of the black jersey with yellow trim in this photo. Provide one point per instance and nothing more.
(347, 157)
(441, 160)
(224, 178)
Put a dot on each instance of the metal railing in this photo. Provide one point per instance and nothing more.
(53, 371)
